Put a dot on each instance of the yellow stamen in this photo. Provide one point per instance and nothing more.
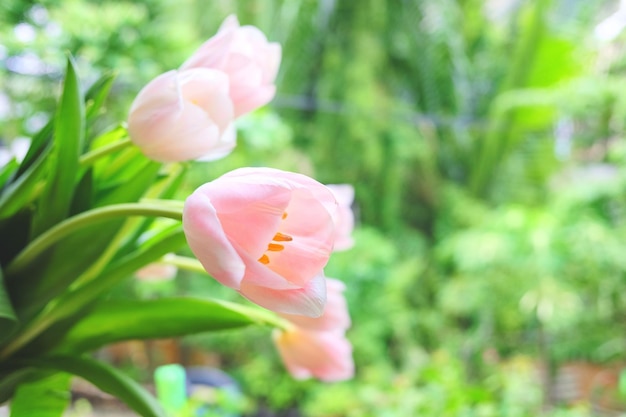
(275, 247)
(284, 215)
(264, 260)
(279, 237)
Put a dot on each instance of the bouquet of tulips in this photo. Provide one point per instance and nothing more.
(83, 210)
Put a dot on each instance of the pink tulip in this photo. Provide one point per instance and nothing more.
(344, 222)
(323, 355)
(317, 347)
(183, 115)
(250, 61)
(335, 317)
(266, 233)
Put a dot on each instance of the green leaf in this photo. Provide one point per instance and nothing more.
(112, 135)
(51, 273)
(132, 187)
(8, 319)
(7, 171)
(83, 197)
(40, 273)
(48, 396)
(173, 182)
(10, 380)
(70, 306)
(106, 378)
(38, 144)
(24, 189)
(116, 320)
(164, 189)
(97, 93)
(69, 127)
(16, 227)
(622, 383)
(495, 147)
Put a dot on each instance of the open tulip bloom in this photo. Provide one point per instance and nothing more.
(266, 233)
(82, 212)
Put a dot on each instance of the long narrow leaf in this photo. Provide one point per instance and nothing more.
(97, 93)
(492, 149)
(39, 143)
(70, 305)
(57, 268)
(116, 320)
(21, 191)
(131, 188)
(69, 127)
(106, 378)
(7, 171)
(165, 189)
(8, 319)
(10, 380)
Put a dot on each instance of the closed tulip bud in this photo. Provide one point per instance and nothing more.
(183, 115)
(251, 62)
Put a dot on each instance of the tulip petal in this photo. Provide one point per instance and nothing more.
(312, 229)
(201, 225)
(335, 317)
(214, 53)
(249, 214)
(344, 218)
(324, 355)
(271, 64)
(306, 301)
(260, 97)
(249, 60)
(230, 23)
(225, 145)
(181, 115)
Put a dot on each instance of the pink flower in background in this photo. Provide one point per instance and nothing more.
(317, 347)
(266, 233)
(335, 317)
(251, 62)
(323, 355)
(157, 271)
(344, 222)
(183, 115)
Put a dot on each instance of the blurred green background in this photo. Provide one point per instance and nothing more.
(485, 141)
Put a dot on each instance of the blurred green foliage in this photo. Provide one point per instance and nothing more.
(485, 140)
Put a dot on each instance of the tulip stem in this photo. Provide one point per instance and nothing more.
(264, 316)
(184, 262)
(82, 220)
(90, 157)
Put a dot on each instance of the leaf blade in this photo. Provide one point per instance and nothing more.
(118, 320)
(69, 126)
(97, 94)
(106, 378)
(8, 318)
(51, 401)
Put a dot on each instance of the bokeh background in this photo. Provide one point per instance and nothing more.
(486, 143)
